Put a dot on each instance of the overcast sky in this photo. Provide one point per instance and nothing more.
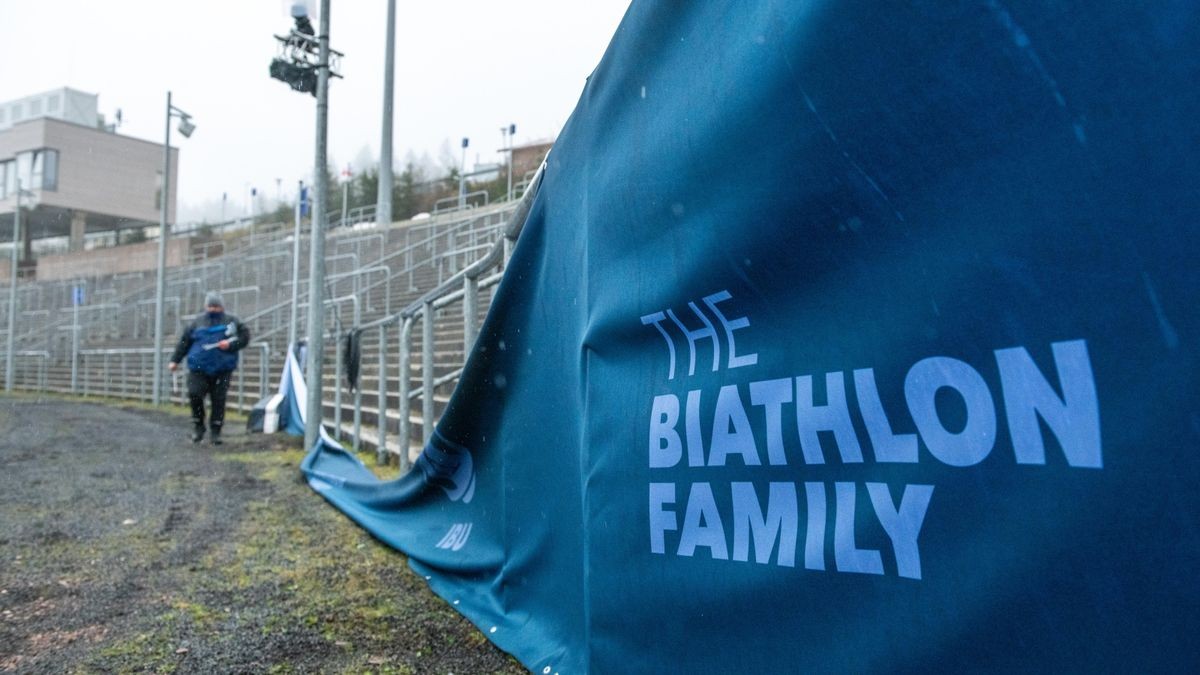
(463, 68)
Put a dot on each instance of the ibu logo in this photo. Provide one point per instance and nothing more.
(456, 537)
(449, 466)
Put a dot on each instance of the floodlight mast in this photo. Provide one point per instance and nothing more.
(316, 261)
(306, 63)
(383, 198)
(298, 59)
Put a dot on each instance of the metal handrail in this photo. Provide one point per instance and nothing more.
(43, 366)
(464, 285)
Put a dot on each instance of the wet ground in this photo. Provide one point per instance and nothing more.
(126, 548)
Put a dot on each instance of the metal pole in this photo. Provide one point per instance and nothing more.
(345, 201)
(404, 402)
(383, 203)
(160, 284)
(263, 370)
(337, 381)
(357, 443)
(296, 267)
(511, 131)
(427, 373)
(470, 310)
(316, 264)
(75, 347)
(462, 178)
(381, 420)
(12, 294)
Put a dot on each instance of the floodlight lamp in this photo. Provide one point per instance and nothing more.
(186, 126)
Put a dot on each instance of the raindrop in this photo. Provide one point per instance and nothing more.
(500, 380)
(492, 629)
(677, 209)
(503, 346)
(643, 91)
(546, 669)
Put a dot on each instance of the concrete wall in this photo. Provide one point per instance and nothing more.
(116, 260)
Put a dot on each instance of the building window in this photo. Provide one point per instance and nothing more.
(10, 178)
(5, 171)
(16, 112)
(3, 115)
(52, 103)
(24, 168)
(50, 169)
(35, 107)
(37, 169)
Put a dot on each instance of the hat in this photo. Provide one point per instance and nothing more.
(213, 298)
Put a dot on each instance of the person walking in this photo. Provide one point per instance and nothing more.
(211, 343)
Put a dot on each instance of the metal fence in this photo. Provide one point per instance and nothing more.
(384, 282)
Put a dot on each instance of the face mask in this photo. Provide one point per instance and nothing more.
(215, 315)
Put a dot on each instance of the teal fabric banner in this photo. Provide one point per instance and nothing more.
(841, 336)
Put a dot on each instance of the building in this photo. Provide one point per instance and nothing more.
(528, 157)
(85, 177)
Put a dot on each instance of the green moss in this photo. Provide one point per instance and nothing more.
(144, 652)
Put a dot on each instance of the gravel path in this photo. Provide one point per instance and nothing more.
(125, 548)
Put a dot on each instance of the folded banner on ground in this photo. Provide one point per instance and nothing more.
(840, 336)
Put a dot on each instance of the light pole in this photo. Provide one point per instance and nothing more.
(346, 176)
(462, 174)
(383, 201)
(186, 127)
(300, 195)
(295, 65)
(12, 290)
(316, 258)
(507, 133)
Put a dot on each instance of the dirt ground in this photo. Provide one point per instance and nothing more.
(126, 548)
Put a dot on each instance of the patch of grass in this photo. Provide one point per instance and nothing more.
(144, 652)
(198, 613)
(240, 563)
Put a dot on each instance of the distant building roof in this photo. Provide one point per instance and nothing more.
(70, 105)
(540, 143)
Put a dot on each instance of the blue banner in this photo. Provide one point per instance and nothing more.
(840, 336)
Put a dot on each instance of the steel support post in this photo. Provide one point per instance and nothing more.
(316, 271)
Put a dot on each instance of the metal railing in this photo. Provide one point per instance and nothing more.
(460, 253)
(462, 287)
(21, 375)
(127, 372)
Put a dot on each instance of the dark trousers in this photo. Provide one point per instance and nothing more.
(214, 386)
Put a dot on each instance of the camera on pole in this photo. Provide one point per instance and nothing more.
(299, 55)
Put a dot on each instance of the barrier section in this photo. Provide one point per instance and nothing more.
(840, 337)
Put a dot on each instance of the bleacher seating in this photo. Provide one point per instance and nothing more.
(380, 269)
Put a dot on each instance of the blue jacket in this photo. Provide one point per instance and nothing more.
(199, 340)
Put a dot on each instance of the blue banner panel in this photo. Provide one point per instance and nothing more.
(840, 336)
